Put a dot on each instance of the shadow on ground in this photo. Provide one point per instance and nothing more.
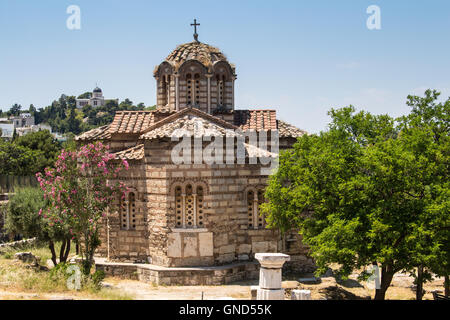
(338, 293)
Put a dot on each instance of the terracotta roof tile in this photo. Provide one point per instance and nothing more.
(136, 121)
(134, 153)
(287, 130)
(188, 125)
(193, 112)
(202, 52)
(142, 122)
(100, 133)
(256, 119)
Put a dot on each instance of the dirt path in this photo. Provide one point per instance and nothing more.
(145, 291)
(9, 295)
(327, 288)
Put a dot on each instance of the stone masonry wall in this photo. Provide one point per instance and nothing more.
(128, 244)
(225, 237)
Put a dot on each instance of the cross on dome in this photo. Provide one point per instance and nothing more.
(195, 24)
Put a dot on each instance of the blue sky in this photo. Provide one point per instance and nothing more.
(298, 57)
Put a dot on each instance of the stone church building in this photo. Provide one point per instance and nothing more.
(193, 214)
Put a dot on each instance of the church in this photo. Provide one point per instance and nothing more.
(197, 213)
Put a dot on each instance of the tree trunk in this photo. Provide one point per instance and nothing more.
(51, 246)
(77, 249)
(66, 254)
(61, 251)
(419, 280)
(387, 273)
(447, 286)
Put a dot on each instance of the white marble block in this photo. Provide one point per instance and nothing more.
(269, 278)
(270, 294)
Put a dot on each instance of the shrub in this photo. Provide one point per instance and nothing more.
(22, 213)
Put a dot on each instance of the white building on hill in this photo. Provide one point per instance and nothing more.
(96, 99)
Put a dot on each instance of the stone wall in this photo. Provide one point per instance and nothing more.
(17, 244)
(128, 243)
(224, 238)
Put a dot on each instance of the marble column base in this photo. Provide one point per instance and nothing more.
(267, 294)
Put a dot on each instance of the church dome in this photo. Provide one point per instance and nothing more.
(97, 90)
(202, 52)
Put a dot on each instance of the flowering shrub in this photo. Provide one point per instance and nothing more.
(79, 191)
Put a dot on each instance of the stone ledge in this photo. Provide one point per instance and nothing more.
(190, 230)
(212, 275)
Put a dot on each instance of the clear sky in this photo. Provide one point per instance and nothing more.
(298, 57)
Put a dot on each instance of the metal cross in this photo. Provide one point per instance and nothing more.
(195, 24)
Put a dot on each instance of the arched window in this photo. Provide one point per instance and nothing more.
(260, 218)
(166, 89)
(250, 209)
(254, 200)
(190, 86)
(193, 89)
(199, 205)
(179, 207)
(128, 213)
(196, 89)
(189, 206)
(220, 89)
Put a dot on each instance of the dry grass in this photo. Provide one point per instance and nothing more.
(401, 289)
(20, 280)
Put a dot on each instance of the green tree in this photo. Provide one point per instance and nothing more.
(426, 134)
(18, 160)
(22, 213)
(15, 110)
(45, 145)
(86, 95)
(79, 190)
(32, 110)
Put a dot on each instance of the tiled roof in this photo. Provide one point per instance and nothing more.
(162, 123)
(192, 112)
(134, 153)
(136, 121)
(100, 133)
(287, 130)
(131, 121)
(256, 119)
(202, 52)
(189, 125)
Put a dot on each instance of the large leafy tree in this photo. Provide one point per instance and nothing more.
(17, 160)
(44, 143)
(355, 193)
(426, 134)
(14, 110)
(81, 187)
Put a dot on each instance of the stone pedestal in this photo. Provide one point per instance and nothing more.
(270, 275)
(301, 295)
(270, 294)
